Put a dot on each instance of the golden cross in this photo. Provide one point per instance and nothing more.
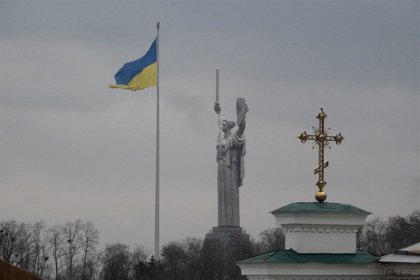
(321, 139)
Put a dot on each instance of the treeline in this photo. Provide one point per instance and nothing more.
(60, 252)
(383, 236)
(69, 251)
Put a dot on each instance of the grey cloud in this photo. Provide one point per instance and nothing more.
(65, 134)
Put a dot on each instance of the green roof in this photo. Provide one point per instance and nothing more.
(320, 207)
(291, 256)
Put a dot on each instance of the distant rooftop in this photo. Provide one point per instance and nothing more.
(409, 254)
(291, 256)
(320, 207)
(413, 248)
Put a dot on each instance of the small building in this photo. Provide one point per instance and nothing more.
(404, 264)
(320, 244)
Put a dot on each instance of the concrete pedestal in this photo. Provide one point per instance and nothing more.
(224, 234)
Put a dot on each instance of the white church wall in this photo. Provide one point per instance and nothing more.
(313, 271)
(321, 238)
(404, 271)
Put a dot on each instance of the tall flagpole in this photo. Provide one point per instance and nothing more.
(157, 255)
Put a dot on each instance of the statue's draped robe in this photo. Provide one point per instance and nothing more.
(230, 173)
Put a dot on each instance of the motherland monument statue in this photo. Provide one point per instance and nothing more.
(230, 168)
(230, 164)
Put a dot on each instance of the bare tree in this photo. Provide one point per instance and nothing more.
(45, 268)
(56, 240)
(62, 251)
(272, 239)
(174, 260)
(414, 221)
(40, 248)
(402, 232)
(140, 254)
(89, 240)
(239, 247)
(25, 245)
(141, 268)
(72, 232)
(192, 248)
(12, 241)
(213, 257)
(24, 249)
(372, 235)
(116, 262)
(181, 259)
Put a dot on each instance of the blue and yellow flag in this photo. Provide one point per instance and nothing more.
(140, 73)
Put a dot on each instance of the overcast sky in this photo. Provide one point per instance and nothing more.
(71, 148)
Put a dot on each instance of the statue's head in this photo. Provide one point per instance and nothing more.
(227, 125)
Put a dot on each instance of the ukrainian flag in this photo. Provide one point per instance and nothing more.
(140, 73)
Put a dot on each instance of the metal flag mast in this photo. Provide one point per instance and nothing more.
(157, 255)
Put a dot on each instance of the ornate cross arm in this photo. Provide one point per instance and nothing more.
(321, 139)
(338, 138)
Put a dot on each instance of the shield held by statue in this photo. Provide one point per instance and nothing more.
(241, 110)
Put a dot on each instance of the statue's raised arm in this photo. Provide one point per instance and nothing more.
(220, 119)
(217, 108)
